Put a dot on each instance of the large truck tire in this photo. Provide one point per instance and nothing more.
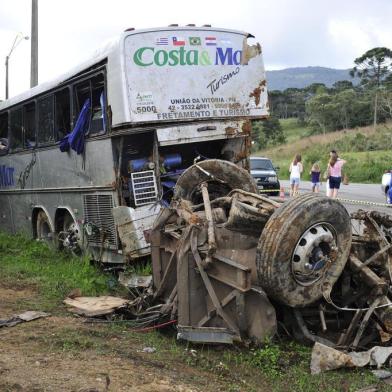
(303, 248)
(221, 176)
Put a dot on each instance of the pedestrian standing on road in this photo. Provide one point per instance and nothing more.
(295, 170)
(335, 173)
(326, 176)
(315, 177)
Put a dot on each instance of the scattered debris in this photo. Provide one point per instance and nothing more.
(135, 281)
(382, 374)
(327, 358)
(149, 350)
(95, 306)
(371, 388)
(23, 317)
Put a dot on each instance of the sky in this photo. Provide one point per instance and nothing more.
(291, 32)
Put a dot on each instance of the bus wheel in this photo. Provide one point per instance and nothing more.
(43, 227)
(70, 237)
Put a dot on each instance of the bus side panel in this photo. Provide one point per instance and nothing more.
(49, 179)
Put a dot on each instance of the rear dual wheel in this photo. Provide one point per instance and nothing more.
(42, 226)
(303, 247)
(70, 237)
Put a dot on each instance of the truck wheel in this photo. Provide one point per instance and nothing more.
(304, 246)
(42, 226)
(221, 176)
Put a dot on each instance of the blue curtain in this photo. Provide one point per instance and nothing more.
(76, 139)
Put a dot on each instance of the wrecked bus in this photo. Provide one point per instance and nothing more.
(87, 160)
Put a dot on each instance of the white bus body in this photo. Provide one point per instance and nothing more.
(159, 98)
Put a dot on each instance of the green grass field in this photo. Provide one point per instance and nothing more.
(368, 152)
(292, 130)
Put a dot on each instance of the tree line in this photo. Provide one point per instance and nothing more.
(344, 105)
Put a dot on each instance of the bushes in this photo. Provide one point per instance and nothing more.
(267, 133)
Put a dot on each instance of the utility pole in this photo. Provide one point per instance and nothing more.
(34, 44)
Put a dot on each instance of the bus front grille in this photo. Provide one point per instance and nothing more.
(98, 213)
(144, 187)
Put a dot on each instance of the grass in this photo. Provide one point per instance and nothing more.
(292, 130)
(367, 151)
(53, 273)
(278, 366)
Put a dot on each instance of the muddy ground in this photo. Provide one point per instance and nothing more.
(62, 353)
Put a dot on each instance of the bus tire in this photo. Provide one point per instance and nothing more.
(74, 243)
(42, 225)
(303, 248)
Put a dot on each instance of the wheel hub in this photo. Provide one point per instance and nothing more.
(71, 238)
(315, 249)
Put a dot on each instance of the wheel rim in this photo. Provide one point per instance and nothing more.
(314, 253)
(72, 239)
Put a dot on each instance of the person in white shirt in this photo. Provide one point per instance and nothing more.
(295, 169)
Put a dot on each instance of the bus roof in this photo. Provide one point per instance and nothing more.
(110, 46)
(98, 56)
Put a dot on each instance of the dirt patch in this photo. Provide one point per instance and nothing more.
(65, 354)
(11, 295)
(86, 371)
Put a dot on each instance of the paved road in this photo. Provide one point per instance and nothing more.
(361, 192)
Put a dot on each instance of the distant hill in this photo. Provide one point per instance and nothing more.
(301, 77)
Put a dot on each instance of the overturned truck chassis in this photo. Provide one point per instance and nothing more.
(232, 265)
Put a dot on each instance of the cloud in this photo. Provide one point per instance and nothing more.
(351, 39)
(291, 32)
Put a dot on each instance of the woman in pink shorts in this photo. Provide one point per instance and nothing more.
(335, 174)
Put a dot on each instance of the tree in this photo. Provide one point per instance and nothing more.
(273, 131)
(266, 133)
(341, 85)
(316, 88)
(386, 103)
(322, 112)
(372, 68)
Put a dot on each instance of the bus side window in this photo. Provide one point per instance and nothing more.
(30, 125)
(98, 105)
(62, 124)
(3, 133)
(45, 120)
(93, 89)
(82, 93)
(16, 134)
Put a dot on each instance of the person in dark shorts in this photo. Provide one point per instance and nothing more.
(335, 174)
(315, 177)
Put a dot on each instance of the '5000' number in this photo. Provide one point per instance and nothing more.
(146, 109)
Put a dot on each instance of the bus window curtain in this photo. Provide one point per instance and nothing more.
(76, 139)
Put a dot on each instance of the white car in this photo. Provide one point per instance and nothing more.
(385, 183)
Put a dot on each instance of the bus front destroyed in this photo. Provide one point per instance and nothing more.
(230, 265)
